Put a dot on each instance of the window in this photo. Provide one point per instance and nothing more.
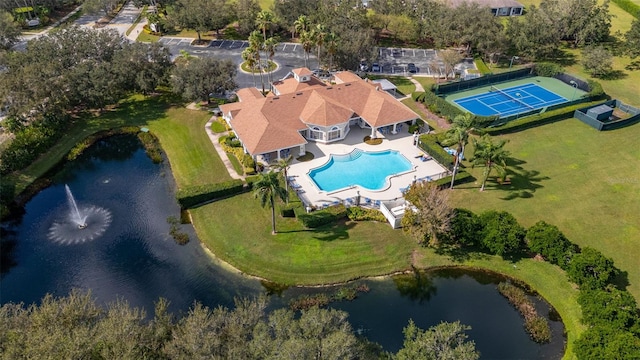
(334, 133)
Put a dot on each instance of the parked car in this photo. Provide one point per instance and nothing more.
(375, 67)
(364, 66)
(411, 67)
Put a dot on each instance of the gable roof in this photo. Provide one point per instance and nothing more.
(266, 124)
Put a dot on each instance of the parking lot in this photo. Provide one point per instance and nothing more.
(389, 61)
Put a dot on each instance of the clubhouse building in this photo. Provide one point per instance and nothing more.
(301, 109)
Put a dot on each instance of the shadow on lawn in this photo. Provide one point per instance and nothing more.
(334, 232)
(524, 183)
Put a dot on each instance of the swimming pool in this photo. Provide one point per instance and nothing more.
(368, 170)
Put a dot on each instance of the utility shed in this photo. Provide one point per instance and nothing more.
(600, 112)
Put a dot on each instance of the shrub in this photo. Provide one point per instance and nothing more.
(536, 325)
(356, 213)
(590, 269)
(548, 241)
(466, 228)
(430, 143)
(193, 195)
(607, 342)
(547, 69)
(596, 92)
(247, 161)
(287, 211)
(609, 307)
(322, 217)
(501, 234)
(151, 146)
(442, 107)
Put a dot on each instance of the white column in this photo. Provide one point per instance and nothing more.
(302, 150)
(373, 132)
(394, 131)
(278, 152)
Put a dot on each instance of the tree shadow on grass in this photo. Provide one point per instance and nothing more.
(614, 75)
(621, 280)
(524, 183)
(460, 254)
(336, 231)
(633, 66)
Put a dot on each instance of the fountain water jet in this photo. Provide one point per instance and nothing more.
(81, 224)
(80, 220)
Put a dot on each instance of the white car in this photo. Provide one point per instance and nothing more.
(375, 67)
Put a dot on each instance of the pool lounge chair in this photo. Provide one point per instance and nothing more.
(367, 201)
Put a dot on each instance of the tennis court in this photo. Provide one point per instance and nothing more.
(510, 101)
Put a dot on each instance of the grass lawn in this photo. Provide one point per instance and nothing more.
(181, 133)
(265, 4)
(584, 181)
(238, 230)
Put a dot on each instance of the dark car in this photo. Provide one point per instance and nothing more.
(411, 67)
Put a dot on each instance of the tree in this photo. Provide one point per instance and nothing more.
(265, 21)
(450, 58)
(581, 22)
(283, 165)
(536, 36)
(490, 155)
(548, 241)
(501, 233)
(590, 269)
(246, 12)
(199, 77)
(301, 24)
(319, 34)
(306, 39)
(632, 38)
(458, 134)
(597, 61)
(429, 215)
(248, 56)
(197, 15)
(266, 188)
(9, 31)
(331, 42)
(148, 65)
(255, 45)
(96, 6)
(465, 228)
(607, 342)
(445, 341)
(609, 307)
(270, 47)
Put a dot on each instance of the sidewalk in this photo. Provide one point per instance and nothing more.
(223, 155)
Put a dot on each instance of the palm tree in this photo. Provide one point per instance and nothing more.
(265, 189)
(459, 135)
(491, 155)
(250, 60)
(319, 34)
(301, 25)
(270, 49)
(306, 39)
(255, 44)
(283, 165)
(331, 43)
(264, 20)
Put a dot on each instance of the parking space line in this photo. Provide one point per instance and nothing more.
(222, 43)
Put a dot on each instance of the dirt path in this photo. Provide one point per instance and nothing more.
(442, 123)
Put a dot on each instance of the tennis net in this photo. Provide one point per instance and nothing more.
(493, 88)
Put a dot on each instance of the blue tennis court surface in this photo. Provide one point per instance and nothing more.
(510, 101)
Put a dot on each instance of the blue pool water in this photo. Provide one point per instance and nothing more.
(366, 169)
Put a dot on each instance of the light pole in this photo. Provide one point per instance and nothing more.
(513, 58)
(575, 88)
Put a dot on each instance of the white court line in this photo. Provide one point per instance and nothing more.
(284, 47)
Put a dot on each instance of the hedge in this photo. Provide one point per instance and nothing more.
(461, 177)
(318, 218)
(442, 107)
(191, 196)
(430, 143)
(629, 6)
(532, 121)
(356, 213)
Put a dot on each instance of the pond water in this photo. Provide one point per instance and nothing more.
(136, 259)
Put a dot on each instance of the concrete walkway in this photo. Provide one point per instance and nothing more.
(419, 87)
(214, 137)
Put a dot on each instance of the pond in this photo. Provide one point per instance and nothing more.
(135, 258)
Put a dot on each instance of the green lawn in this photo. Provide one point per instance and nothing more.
(238, 231)
(584, 181)
(181, 133)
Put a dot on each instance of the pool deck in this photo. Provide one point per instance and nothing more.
(402, 142)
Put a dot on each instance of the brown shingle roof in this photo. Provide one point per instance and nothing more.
(292, 85)
(273, 123)
(302, 71)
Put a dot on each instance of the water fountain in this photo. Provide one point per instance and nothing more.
(81, 224)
